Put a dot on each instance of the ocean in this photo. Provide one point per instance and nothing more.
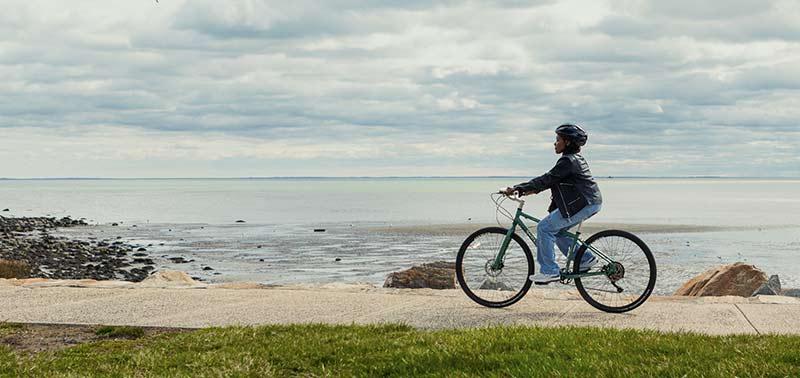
(374, 226)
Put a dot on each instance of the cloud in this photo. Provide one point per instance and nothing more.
(731, 21)
(383, 87)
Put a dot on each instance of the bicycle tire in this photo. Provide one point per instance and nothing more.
(471, 291)
(597, 299)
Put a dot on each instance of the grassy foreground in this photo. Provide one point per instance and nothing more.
(321, 350)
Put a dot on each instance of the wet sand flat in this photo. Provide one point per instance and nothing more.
(587, 229)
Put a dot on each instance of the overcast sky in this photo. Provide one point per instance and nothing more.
(123, 88)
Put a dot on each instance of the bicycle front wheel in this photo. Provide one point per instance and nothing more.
(484, 282)
(628, 267)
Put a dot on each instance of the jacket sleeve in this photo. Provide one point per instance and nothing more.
(562, 169)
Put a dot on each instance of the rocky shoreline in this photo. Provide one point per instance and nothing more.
(28, 240)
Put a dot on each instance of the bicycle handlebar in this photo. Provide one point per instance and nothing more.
(516, 196)
(516, 193)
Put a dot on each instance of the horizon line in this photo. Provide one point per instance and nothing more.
(89, 178)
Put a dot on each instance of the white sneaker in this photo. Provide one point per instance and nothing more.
(585, 266)
(544, 279)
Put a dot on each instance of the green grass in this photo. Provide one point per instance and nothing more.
(6, 327)
(10, 326)
(322, 350)
(114, 332)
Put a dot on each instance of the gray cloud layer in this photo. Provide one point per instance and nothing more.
(250, 87)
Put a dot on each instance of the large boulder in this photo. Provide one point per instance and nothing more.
(436, 275)
(737, 279)
(771, 287)
(14, 269)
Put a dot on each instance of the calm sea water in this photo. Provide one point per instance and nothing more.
(196, 218)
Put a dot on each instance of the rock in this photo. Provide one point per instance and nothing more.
(240, 221)
(337, 259)
(319, 230)
(115, 224)
(261, 260)
(771, 287)
(436, 275)
(14, 269)
(495, 285)
(169, 277)
(179, 260)
(737, 279)
(137, 274)
(6, 210)
(142, 249)
(208, 268)
(791, 292)
(139, 254)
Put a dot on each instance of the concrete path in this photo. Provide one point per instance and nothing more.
(429, 309)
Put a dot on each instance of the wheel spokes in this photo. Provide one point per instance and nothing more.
(627, 277)
(483, 279)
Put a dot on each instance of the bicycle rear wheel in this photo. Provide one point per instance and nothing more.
(629, 267)
(494, 287)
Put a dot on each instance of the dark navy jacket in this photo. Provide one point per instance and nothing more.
(571, 185)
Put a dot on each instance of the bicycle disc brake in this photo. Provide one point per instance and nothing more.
(490, 271)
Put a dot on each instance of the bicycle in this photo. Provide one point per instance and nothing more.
(493, 264)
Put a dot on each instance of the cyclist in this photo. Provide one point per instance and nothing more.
(575, 197)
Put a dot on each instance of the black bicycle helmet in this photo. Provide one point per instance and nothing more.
(573, 132)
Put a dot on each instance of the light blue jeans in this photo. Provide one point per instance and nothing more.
(546, 233)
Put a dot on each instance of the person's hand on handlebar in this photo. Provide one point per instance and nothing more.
(509, 191)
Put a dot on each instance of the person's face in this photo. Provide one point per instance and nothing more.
(560, 144)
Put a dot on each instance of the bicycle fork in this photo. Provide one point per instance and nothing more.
(498, 260)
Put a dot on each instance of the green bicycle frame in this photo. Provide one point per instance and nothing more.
(576, 242)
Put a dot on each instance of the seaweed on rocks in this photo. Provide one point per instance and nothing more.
(61, 258)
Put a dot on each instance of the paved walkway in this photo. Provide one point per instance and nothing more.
(430, 309)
